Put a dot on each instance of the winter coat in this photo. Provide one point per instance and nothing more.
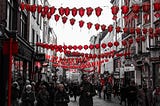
(61, 98)
(28, 99)
(144, 96)
(85, 99)
(42, 98)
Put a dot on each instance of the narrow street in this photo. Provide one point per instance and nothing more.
(98, 102)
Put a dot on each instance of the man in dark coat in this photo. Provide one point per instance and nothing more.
(87, 91)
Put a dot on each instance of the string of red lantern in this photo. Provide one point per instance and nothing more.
(61, 10)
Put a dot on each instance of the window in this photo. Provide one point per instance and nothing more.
(12, 15)
(32, 36)
(24, 26)
(34, 13)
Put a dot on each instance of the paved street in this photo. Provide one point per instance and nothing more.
(98, 102)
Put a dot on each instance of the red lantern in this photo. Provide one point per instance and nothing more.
(97, 46)
(74, 11)
(33, 8)
(115, 10)
(98, 11)
(118, 29)
(67, 11)
(22, 5)
(143, 38)
(146, 17)
(56, 17)
(97, 26)
(138, 39)
(124, 42)
(52, 10)
(103, 45)
(110, 28)
(27, 7)
(156, 6)
(110, 44)
(43, 14)
(89, 25)
(144, 30)
(114, 17)
(64, 19)
(157, 15)
(151, 36)
(103, 27)
(81, 11)
(39, 8)
(132, 30)
(130, 41)
(89, 11)
(48, 15)
(125, 9)
(85, 47)
(80, 47)
(64, 47)
(81, 23)
(135, 8)
(138, 30)
(75, 47)
(70, 47)
(61, 11)
(116, 43)
(72, 21)
(157, 30)
(146, 7)
(125, 29)
(150, 30)
(46, 9)
(91, 46)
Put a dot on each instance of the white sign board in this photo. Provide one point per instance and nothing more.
(129, 68)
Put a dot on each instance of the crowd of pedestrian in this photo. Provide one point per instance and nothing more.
(43, 93)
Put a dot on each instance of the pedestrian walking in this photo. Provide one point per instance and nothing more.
(132, 94)
(28, 96)
(123, 95)
(144, 96)
(15, 94)
(43, 96)
(87, 91)
(61, 97)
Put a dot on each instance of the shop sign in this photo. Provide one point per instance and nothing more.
(155, 58)
(40, 57)
(129, 68)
